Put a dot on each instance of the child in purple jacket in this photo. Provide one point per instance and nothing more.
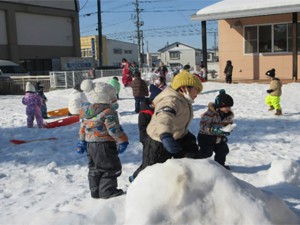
(33, 104)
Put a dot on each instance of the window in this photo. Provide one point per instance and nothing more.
(265, 38)
(209, 56)
(174, 55)
(117, 51)
(270, 38)
(86, 52)
(280, 38)
(251, 39)
(127, 51)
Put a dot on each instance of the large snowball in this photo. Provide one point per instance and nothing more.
(187, 191)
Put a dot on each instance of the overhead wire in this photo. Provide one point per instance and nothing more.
(84, 5)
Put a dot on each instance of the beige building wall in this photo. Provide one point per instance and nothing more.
(252, 66)
(86, 43)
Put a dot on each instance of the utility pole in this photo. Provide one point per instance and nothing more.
(100, 52)
(215, 41)
(142, 57)
(204, 43)
(138, 31)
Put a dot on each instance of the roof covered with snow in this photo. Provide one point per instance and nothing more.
(228, 9)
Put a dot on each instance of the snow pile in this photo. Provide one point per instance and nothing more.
(186, 191)
(46, 182)
(287, 171)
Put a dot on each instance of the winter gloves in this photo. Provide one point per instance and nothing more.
(169, 143)
(270, 91)
(219, 132)
(122, 147)
(81, 147)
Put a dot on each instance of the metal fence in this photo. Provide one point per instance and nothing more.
(17, 84)
(68, 79)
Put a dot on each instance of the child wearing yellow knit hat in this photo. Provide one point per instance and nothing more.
(168, 134)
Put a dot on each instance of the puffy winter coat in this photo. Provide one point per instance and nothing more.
(228, 69)
(125, 68)
(113, 82)
(139, 87)
(145, 114)
(33, 102)
(173, 114)
(275, 85)
(100, 123)
(76, 99)
(214, 118)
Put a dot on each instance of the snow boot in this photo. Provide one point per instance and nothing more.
(116, 193)
(278, 112)
(131, 179)
(226, 167)
(271, 108)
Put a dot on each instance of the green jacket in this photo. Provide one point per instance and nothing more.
(113, 82)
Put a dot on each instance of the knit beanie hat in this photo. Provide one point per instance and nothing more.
(184, 78)
(29, 87)
(223, 100)
(154, 91)
(98, 92)
(186, 67)
(271, 73)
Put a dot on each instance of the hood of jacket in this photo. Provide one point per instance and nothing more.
(89, 110)
(176, 120)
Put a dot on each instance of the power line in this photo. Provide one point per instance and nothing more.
(171, 31)
(142, 10)
(84, 5)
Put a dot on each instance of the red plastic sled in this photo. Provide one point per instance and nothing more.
(59, 112)
(62, 122)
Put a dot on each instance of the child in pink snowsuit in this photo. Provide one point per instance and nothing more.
(34, 103)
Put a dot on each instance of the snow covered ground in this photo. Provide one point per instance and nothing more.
(46, 182)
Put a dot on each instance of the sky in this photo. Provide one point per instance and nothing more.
(165, 21)
(45, 182)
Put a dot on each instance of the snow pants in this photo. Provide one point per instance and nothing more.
(228, 79)
(273, 101)
(44, 110)
(208, 146)
(104, 168)
(34, 113)
(154, 151)
(138, 101)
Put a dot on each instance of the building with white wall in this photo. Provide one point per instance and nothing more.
(178, 54)
(37, 33)
(113, 51)
(116, 50)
